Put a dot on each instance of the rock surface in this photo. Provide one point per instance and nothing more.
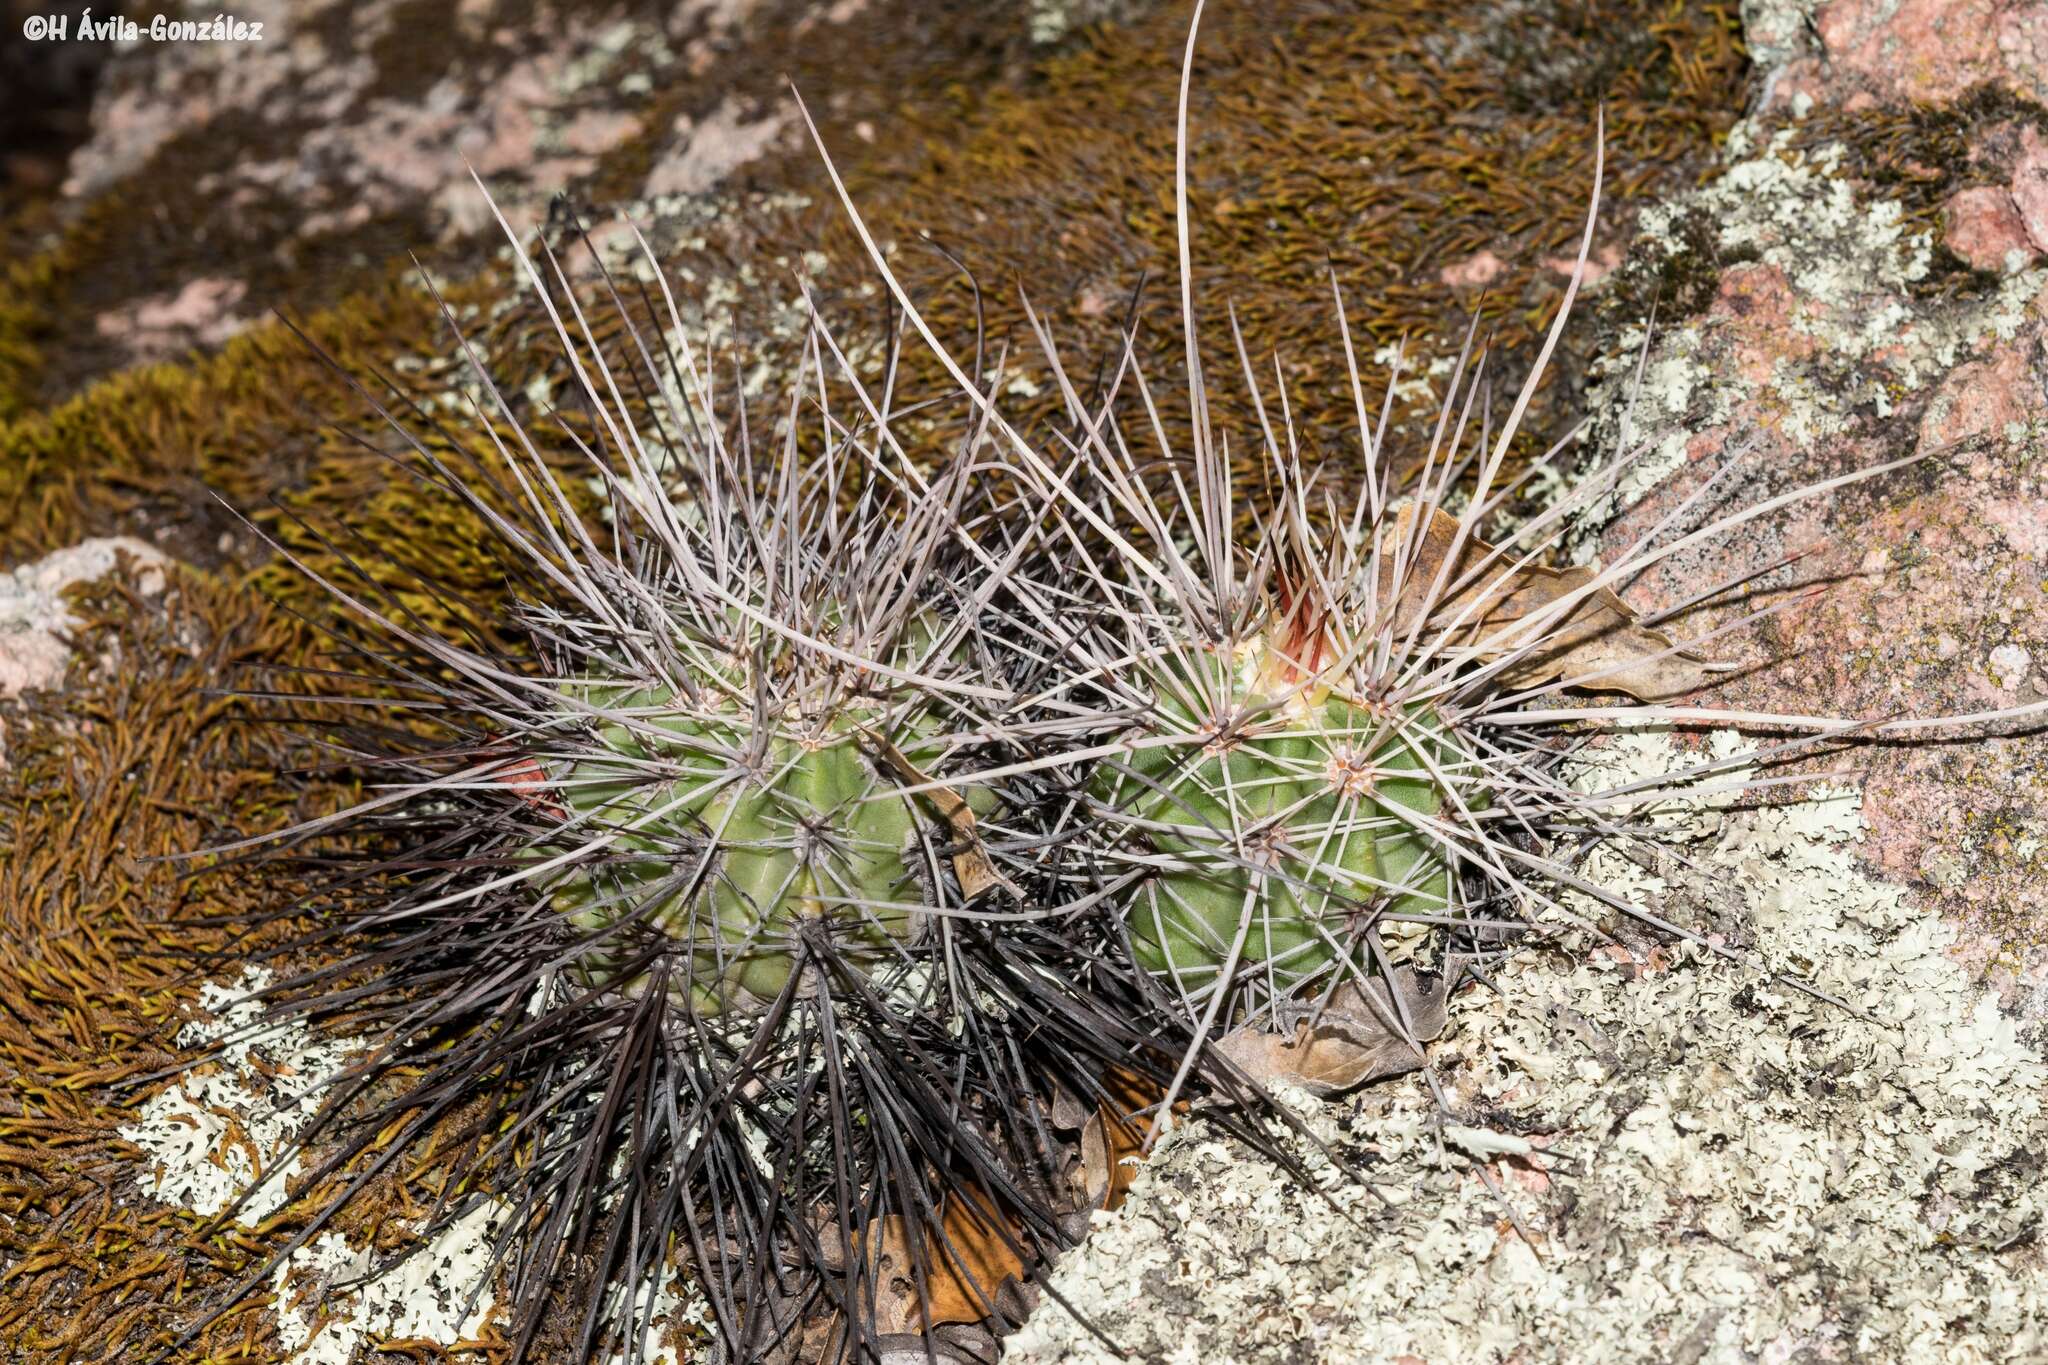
(34, 618)
(286, 170)
(1708, 1165)
(1829, 346)
(1875, 51)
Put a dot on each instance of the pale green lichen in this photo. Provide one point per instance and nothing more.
(1854, 338)
(326, 1316)
(1049, 21)
(1777, 31)
(1719, 1167)
(321, 1320)
(210, 1133)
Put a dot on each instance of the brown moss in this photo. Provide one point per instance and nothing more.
(1384, 144)
(31, 284)
(903, 52)
(136, 761)
(144, 447)
(123, 768)
(271, 428)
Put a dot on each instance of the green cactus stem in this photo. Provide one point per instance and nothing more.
(729, 832)
(1285, 814)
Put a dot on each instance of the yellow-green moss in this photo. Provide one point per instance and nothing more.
(29, 287)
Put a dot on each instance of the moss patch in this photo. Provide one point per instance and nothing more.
(129, 764)
(1384, 144)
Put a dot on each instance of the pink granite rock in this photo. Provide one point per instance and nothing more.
(705, 151)
(1822, 353)
(1757, 308)
(295, 168)
(34, 619)
(202, 313)
(2023, 49)
(1476, 271)
(2030, 186)
(1988, 398)
(1935, 601)
(1983, 226)
(1599, 265)
(1924, 50)
(1905, 51)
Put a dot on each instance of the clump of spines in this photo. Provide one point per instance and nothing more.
(685, 928)
(1216, 662)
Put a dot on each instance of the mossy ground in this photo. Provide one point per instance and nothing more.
(1386, 144)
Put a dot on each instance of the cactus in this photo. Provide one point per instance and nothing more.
(710, 921)
(732, 860)
(1299, 731)
(1282, 827)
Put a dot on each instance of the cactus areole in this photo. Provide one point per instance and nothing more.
(1282, 818)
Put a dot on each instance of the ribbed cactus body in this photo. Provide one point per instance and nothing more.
(729, 858)
(1288, 824)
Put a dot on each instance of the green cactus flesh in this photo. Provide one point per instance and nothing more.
(1294, 830)
(730, 860)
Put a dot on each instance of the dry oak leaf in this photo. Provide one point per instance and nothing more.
(971, 863)
(1113, 1139)
(967, 1272)
(962, 1276)
(1350, 1040)
(1483, 598)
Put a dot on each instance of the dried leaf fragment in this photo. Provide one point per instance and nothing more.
(962, 1277)
(977, 875)
(1484, 598)
(1111, 1139)
(1352, 1040)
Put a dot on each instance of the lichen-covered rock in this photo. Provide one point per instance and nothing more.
(223, 179)
(327, 136)
(1713, 1166)
(34, 617)
(1705, 1164)
(1827, 347)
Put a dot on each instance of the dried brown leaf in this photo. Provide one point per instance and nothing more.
(962, 1278)
(1600, 635)
(975, 1267)
(1111, 1138)
(1351, 1041)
